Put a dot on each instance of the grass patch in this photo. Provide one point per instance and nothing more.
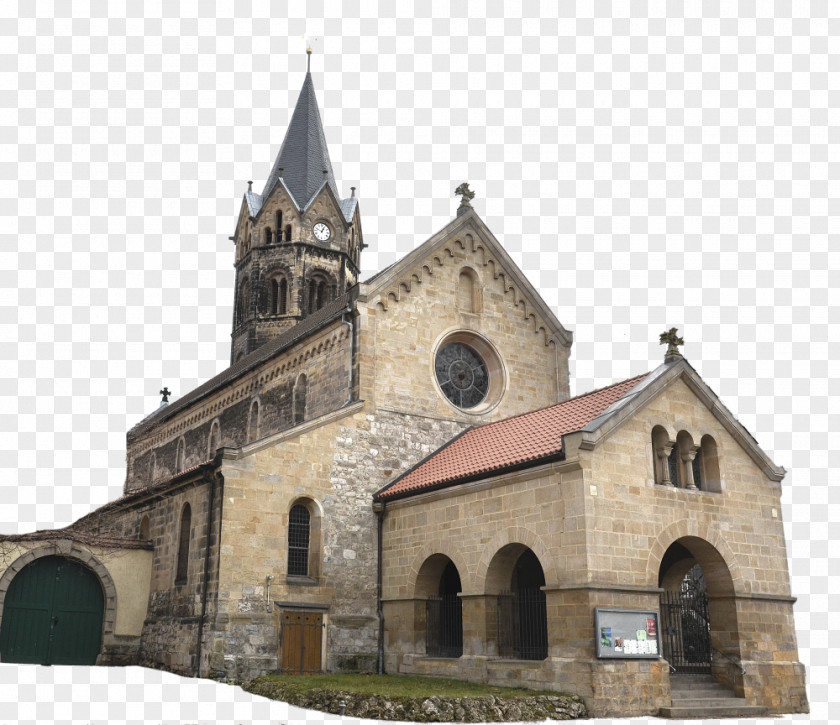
(397, 686)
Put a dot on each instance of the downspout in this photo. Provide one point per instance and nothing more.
(210, 478)
(352, 334)
(379, 508)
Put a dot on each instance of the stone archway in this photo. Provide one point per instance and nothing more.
(83, 561)
(699, 616)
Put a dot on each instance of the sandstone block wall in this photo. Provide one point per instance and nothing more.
(403, 327)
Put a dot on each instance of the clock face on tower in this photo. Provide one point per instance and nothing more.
(321, 232)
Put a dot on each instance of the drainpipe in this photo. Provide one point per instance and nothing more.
(211, 480)
(349, 323)
(379, 508)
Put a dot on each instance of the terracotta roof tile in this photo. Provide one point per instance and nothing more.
(506, 443)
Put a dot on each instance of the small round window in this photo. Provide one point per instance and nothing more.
(462, 374)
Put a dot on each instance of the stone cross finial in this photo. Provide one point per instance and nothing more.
(165, 393)
(671, 337)
(466, 196)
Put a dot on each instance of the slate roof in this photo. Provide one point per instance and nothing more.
(515, 442)
(271, 348)
(254, 202)
(348, 207)
(303, 155)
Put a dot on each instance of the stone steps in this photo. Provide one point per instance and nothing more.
(700, 696)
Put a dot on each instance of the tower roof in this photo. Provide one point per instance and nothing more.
(303, 156)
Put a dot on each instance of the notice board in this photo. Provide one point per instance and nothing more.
(627, 633)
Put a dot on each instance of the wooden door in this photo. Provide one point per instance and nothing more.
(300, 642)
(52, 614)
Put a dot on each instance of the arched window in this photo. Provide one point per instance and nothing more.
(214, 441)
(299, 400)
(268, 235)
(468, 292)
(144, 528)
(298, 563)
(180, 456)
(254, 421)
(663, 453)
(711, 464)
(690, 474)
(183, 546)
(279, 219)
(288, 232)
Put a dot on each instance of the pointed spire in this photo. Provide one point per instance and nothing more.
(303, 161)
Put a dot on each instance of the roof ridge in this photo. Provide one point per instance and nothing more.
(562, 402)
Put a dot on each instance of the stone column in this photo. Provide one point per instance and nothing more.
(474, 623)
(688, 471)
(662, 453)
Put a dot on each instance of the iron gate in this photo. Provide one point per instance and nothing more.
(444, 631)
(522, 624)
(686, 642)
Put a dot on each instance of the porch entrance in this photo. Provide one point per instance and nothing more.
(301, 636)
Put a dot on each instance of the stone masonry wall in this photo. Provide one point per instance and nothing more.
(338, 466)
(324, 359)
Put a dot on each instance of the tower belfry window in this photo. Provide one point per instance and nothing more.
(279, 225)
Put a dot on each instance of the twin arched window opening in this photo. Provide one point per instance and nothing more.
(683, 464)
(278, 296)
(320, 292)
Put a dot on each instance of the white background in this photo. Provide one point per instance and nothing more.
(676, 168)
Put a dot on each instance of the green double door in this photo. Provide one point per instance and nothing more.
(52, 614)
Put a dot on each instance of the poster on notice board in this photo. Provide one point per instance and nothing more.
(627, 633)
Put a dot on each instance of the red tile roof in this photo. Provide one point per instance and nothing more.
(507, 443)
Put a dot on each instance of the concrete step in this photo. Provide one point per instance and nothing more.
(703, 702)
(713, 713)
(702, 692)
(701, 696)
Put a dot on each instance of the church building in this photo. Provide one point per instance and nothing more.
(391, 476)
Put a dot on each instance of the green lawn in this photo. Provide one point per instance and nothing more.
(396, 686)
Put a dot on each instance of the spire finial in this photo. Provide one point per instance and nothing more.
(308, 51)
(249, 185)
(671, 337)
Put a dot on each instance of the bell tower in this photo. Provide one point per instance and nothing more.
(298, 243)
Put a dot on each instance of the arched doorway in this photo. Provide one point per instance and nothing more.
(697, 606)
(522, 621)
(440, 582)
(53, 614)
